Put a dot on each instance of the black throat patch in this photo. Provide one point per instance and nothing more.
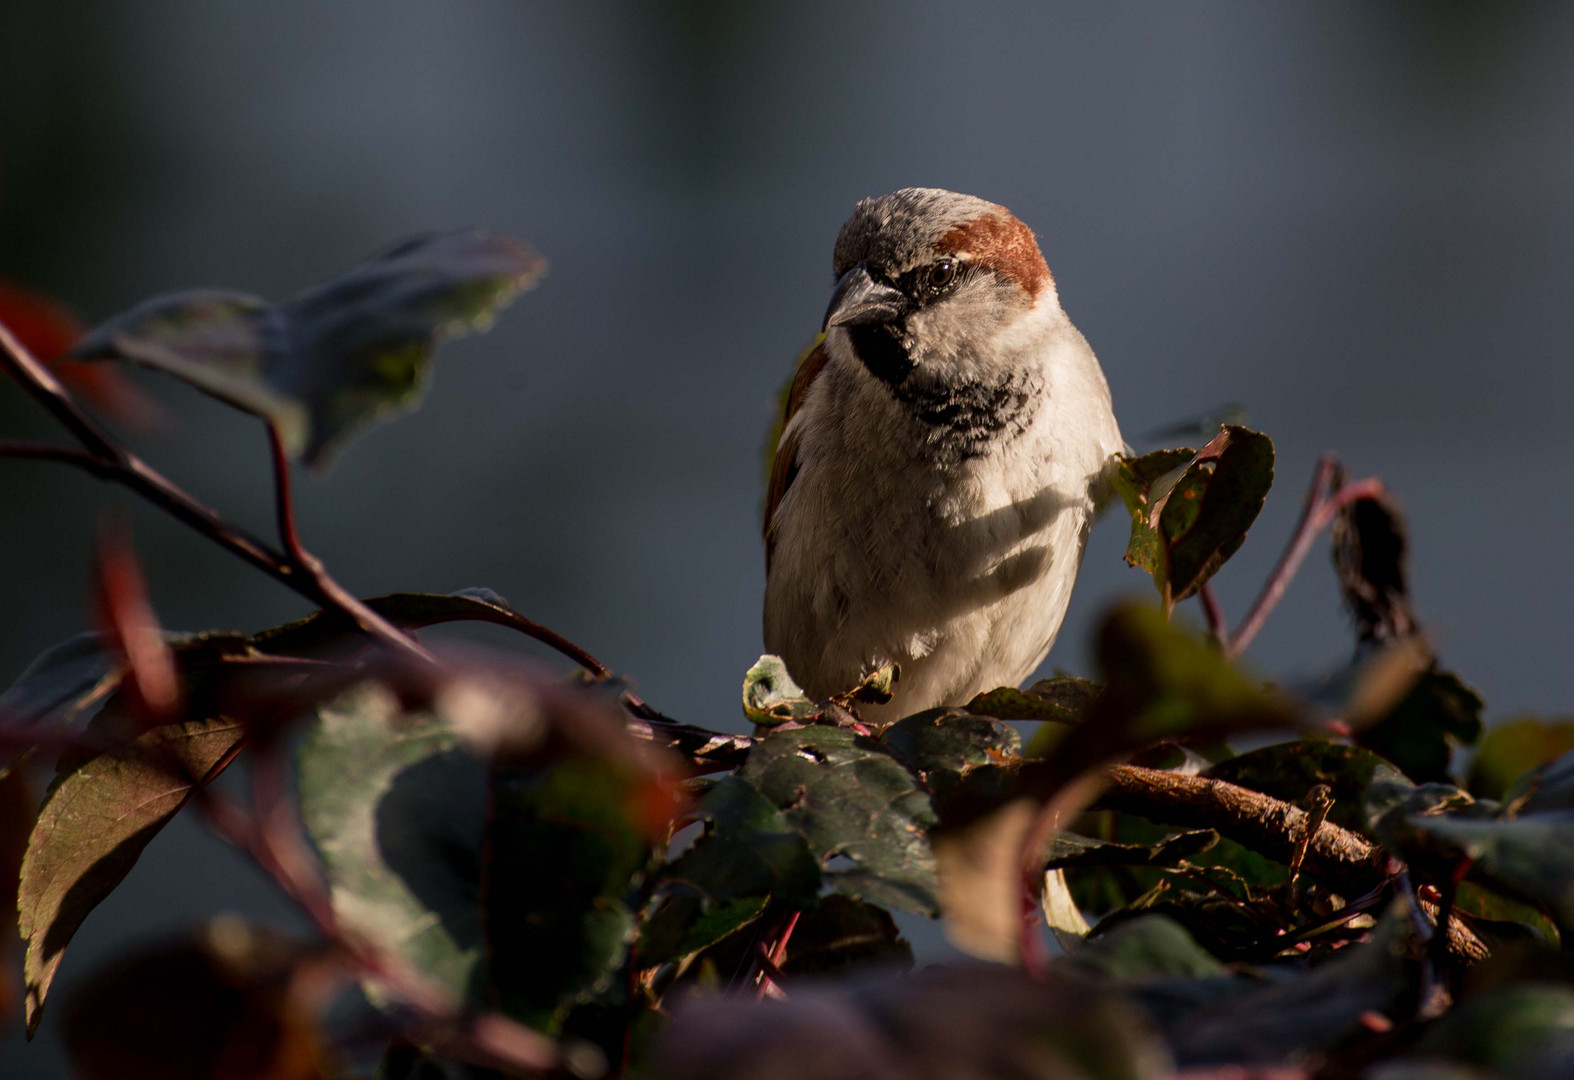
(879, 348)
(970, 419)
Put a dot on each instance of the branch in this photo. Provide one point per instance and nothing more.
(108, 460)
(1321, 506)
(1346, 861)
(707, 748)
(327, 588)
(1217, 626)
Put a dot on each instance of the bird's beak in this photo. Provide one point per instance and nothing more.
(858, 298)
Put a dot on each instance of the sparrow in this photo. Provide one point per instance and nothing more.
(944, 450)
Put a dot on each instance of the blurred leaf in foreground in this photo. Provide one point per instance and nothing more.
(1513, 749)
(232, 1003)
(338, 357)
(962, 1021)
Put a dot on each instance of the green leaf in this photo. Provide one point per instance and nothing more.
(1512, 750)
(1419, 736)
(1134, 482)
(1188, 519)
(396, 809)
(338, 357)
(770, 696)
(1062, 699)
(839, 935)
(1289, 770)
(748, 854)
(849, 798)
(1519, 1031)
(1318, 1011)
(94, 824)
(563, 851)
(1147, 947)
(941, 746)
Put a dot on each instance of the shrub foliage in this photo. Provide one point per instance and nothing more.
(1172, 868)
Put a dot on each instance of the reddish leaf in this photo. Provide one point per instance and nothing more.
(49, 330)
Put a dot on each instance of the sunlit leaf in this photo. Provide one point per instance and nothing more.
(848, 798)
(94, 824)
(1191, 513)
(770, 696)
(338, 357)
(940, 746)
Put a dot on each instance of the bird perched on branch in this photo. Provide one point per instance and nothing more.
(943, 452)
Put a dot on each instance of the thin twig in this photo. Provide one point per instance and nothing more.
(326, 587)
(1217, 626)
(39, 382)
(1321, 506)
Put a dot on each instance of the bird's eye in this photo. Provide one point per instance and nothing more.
(942, 273)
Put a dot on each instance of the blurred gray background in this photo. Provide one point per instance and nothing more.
(1355, 219)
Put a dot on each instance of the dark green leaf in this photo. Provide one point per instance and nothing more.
(1524, 1031)
(1289, 770)
(1190, 518)
(563, 850)
(1134, 481)
(396, 808)
(1314, 1012)
(849, 798)
(770, 697)
(1147, 947)
(747, 855)
(338, 357)
(1419, 736)
(1512, 750)
(839, 935)
(970, 1021)
(941, 746)
(1062, 699)
(94, 824)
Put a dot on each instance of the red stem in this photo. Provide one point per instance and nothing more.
(1321, 506)
(1217, 626)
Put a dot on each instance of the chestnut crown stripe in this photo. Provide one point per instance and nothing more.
(1001, 243)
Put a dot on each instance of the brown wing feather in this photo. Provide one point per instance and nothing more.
(784, 452)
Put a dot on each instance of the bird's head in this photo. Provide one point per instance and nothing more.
(936, 282)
